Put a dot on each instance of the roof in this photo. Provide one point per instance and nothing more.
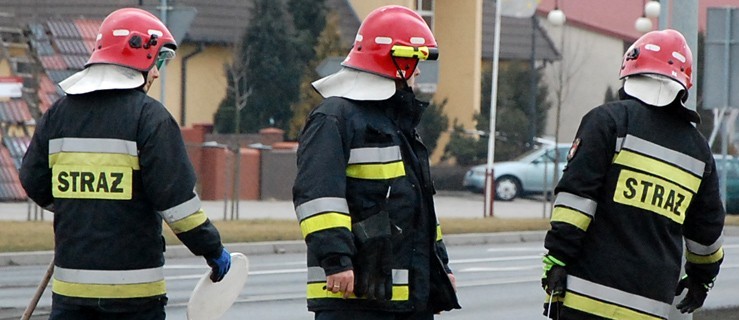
(222, 21)
(616, 18)
(515, 37)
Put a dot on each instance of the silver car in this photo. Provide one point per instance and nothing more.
(531, 172)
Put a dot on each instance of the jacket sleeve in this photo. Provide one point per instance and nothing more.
(35, 174)
(702, 229)
(440, 248)
(169, 183)
(319, 193)
(579, 190)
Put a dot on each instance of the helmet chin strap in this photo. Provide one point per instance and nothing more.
(402, 75)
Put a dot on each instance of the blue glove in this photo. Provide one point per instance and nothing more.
(219, 265)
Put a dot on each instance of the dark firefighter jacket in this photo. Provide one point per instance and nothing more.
(354, 159)
(639, 179)
(111, 165)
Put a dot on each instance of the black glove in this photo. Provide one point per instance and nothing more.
(697, 293)
(554, 279)
(373, 265)
(554, 283)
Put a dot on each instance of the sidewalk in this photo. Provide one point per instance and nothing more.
(449, 204)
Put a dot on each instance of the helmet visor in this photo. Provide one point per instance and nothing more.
(165, 54)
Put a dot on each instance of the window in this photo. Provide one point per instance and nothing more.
(425, 8)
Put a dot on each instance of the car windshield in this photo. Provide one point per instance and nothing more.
(526, 154)
(538, 155)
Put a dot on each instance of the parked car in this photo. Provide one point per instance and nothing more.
(521, 176)
(732, 181)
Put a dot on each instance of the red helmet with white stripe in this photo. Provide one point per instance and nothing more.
(390, 42)
(133, 38)
(662, 52)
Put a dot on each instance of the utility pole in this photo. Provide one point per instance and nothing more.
(163, 9)
(683, 17)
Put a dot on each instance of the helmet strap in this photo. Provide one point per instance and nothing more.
(402, 75)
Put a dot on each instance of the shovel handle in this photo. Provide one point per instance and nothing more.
(39, 291)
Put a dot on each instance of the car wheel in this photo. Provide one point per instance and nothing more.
(507, 188)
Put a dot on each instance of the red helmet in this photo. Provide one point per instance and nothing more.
(133, 38)
(660, 52)
(390, 42)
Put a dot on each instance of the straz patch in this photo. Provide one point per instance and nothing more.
(87, 182)
(573, 149)
(653, 194)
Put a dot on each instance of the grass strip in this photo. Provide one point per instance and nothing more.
(19, 236)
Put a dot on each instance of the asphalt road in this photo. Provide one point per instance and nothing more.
(495, 281)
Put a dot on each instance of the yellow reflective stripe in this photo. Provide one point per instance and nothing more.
(325, 221)
(94, 159)
(376, 171)
(653, 194)
(137, 290)
(699, 259)
(573, 217)
(603, 309)
(317, 290)
(190, 222)
(438, 232)
(658, 168)
(400, 293)
(554, 299)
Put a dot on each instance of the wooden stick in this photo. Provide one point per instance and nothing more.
(39, 291)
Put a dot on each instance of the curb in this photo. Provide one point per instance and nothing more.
(298, 246)
(277, 247)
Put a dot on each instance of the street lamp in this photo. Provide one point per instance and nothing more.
(651, 10)
(556, 17)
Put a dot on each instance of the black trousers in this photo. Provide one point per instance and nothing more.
(74, 312)
(372, 315)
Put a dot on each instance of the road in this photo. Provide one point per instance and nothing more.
(495, 281)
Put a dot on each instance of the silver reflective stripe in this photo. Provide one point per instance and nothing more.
(702, 250)
(375, 155)
(615, 296)
(316, 274)
(181, 210)
(619, 143)
(400, 276)
(578, 203)
(681, 160)
(321, 205)
(93, 145)
(109, 276)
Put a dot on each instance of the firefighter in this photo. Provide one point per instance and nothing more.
(363, 192)
(639, 179)
(110, 162)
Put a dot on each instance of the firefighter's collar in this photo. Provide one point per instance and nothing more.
(355, 85)
(102, 77)
(654, 90)
(659, 91)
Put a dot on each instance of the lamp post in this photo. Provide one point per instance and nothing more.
(489, 192)
(651, 10)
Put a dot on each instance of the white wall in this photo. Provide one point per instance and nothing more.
(590, 64)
